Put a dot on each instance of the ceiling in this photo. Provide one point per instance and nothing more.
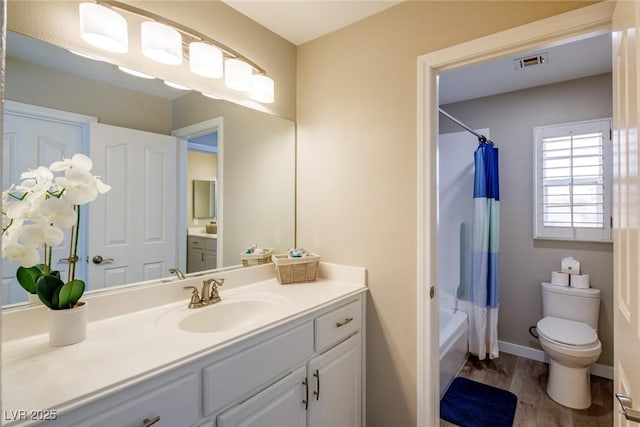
(300, 21)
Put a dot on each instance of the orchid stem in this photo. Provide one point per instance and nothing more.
(75, 243)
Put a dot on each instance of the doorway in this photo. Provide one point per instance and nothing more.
(547, 32)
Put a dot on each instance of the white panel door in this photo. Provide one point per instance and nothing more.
(29, 141)
(626, 205)
(133, 226)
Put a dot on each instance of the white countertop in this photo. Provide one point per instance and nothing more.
(200, 232)
(129, 347)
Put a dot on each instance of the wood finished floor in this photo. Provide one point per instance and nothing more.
(527, 379)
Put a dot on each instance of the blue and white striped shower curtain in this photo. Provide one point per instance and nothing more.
(483, 319)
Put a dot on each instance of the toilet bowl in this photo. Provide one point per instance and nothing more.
(569, 338)
(572, 347)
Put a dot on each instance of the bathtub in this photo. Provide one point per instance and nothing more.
(454, 344)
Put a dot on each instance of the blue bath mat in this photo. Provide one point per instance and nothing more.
(472, 404)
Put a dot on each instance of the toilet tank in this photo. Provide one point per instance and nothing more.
(564, 302)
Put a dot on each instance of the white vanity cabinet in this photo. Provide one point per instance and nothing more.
(306, 371)
(201, 253)
(325, 391)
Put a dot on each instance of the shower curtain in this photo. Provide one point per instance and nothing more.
(483, 319)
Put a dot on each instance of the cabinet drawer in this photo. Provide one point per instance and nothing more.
(195, 242)
(337, 324)
(176, 403)
(232, 378)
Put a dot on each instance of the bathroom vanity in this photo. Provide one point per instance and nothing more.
(268, 354)
(202, 250)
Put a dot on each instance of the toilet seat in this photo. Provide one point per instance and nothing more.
(567, 333)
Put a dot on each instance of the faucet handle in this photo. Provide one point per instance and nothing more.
(195, 297)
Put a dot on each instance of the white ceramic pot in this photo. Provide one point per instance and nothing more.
(33, 299)
(68, 327)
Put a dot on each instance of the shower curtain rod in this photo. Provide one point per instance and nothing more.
(480, 137)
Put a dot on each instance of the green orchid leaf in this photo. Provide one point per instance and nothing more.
(48, 288)
(27, 277)
(70, 293)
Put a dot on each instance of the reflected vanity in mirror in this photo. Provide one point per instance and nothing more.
(252, 195)
(204, 199)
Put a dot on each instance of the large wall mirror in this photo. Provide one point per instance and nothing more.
(254, 169)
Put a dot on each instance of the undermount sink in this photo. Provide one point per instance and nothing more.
(225, 315)
(234, 311)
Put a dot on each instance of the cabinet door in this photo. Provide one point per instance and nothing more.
(336, 387)
(195, 262)
(280, 405)
(209, 260)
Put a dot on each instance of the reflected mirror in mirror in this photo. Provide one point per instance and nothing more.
(204, 199)
(124, 124)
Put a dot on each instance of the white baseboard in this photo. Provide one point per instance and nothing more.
(597, 369)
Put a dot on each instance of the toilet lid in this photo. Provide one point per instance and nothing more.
(567, 332)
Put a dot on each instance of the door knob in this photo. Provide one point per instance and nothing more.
(98, 259)
(629, 413)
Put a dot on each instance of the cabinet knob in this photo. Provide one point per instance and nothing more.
(149, 422)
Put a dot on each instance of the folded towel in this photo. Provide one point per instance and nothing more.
(298, 253)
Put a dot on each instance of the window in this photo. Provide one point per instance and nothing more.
(573, 169)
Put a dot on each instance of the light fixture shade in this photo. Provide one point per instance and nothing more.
(135, 73)
(262, 88)
(161, 43)
(237, 74)
(103, 28)
(176, 85)
(205, 60)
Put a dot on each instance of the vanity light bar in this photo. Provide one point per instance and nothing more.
(167, 42)
(190, 34)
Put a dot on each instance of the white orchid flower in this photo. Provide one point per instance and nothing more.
(26, 255)
(27, 208)
(35, 182)
(78, 161)
(40, 233)
(101, 186)
(58, 212)
(79, 186)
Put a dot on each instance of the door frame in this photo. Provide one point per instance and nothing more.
(184, 134)
(544, 33)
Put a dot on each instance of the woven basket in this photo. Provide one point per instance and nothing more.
(296, 270)
(252, 259)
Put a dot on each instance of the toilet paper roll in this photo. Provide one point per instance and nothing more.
(570, 265)
(560, 279)
(579, 280)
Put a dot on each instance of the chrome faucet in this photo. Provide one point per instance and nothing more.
(208, 295)
(177, 272)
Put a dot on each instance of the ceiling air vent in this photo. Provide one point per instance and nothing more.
(530, 61)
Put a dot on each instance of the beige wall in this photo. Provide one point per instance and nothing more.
(356, 196)
(36, 85)
(525, 262)
(57, 23)
(201, 166)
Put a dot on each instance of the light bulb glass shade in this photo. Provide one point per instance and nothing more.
(103, 28)
(161, 43)
(262, 89)
(209, 95)
(237, 74)
(205, 60)
(135, 73)
(176, 85)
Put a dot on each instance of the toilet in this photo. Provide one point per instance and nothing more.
(568, 336)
